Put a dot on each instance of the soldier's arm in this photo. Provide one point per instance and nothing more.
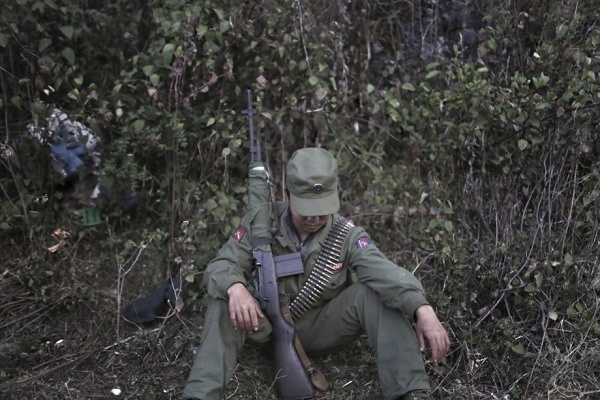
(397, 287)
(233, 263)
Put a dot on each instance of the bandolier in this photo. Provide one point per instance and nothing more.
(324, 268)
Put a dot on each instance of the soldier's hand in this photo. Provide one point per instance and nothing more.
(244, 311)
(430, 329)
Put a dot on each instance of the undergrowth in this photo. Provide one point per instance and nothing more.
(466, 136)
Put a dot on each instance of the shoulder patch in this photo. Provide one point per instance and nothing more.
(363, 241)
(239, 233)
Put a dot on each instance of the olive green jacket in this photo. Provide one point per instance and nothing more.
(396, 287)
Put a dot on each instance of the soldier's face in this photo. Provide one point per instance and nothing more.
(307, 225)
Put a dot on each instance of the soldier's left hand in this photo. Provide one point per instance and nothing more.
(430, 331)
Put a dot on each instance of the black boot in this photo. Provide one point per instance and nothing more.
(148, 308)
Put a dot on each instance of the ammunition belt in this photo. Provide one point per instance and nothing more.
(324, 268)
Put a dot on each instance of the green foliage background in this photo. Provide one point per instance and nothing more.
(466, 134)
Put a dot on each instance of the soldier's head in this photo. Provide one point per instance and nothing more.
(312, 182)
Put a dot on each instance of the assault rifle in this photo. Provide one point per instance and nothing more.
(292, 381)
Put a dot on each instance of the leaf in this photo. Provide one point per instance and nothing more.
(432, 74)
(448, 226)
(370, 88)
(168, 48)
(539, 279)
(4, 39)
(211, 204)
(69, 55)
(394, 103)
(179, 303)
(561, 31)
(224, 26)
(51, 4)
(67, 30)
(522, 143)
(553, 315)
(44, 43)
(148, 69)
(210, 121)
(542, 81)
(16, 101)
(139, 124)
(409, 86)
(313, 80)
(73, 94)
(518, 348)
(320, 93)
(530, 289)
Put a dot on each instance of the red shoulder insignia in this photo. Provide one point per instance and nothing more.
(363, 241)
(239, 233)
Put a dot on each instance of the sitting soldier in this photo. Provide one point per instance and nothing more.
(382, 300)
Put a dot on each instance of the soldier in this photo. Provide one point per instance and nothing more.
(382, 300)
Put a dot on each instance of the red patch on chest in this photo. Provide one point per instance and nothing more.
(337, 266)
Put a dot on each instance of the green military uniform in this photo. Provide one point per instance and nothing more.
(382, 303)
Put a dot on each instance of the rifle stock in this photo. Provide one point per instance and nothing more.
(292, 381)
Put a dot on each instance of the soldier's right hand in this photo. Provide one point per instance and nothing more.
(244, 311)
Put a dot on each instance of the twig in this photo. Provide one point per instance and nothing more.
(119, 342)
(122, 273)
(41, 374)
(493, 307)
(302, 36)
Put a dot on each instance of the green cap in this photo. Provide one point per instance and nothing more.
(311, 179)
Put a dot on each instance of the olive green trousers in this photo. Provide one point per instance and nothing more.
(355, 311)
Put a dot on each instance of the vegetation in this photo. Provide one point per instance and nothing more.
(466, 133)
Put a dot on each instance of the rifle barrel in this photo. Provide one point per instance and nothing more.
(254, 143)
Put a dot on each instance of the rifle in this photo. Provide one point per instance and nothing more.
(292, 381)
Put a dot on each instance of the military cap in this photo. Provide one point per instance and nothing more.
(312, 181)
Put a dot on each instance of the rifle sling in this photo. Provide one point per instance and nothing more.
(316, 377)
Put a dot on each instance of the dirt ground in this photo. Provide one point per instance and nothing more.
(61, 337)
(81, 349)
